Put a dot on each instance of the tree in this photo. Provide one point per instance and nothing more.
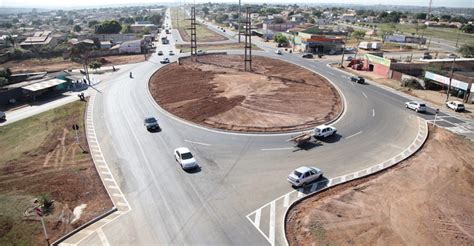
(469, 28)
(205, 10)
(358, 34)
(77, 28)
(446, 17)
(129, 20)
(421, 16)
(80, 52)
(70, 22)
(127, 29)
(93, 23)
(108, 27)
(317, 13)
(155, 19)
(95, 65)
(278, 20)
(467, 50)
(221, 18)
(280, 39)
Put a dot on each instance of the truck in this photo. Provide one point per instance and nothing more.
(370, 45)
(164, 40)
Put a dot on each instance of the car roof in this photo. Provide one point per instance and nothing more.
(182, 150)
(322, 126)
(304, 169)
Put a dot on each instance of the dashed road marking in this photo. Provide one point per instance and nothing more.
(364, 95)
(353, 135)
(373, 112)
(270, 149)
(193, 142)
(102, 237)
(271, 234)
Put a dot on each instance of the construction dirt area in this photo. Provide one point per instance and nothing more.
(216, 92)
(425, 200)
(42, 159)
(60, 64)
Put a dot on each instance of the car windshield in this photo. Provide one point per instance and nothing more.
(298, 174)
(422, 105)
(150, 120)
(461, 105)
(186, 156)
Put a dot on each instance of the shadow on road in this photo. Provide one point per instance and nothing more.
(194, 170)
(331, 139)
(320, 183)
(306, 146)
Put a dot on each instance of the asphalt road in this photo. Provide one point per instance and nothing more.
(238, 172)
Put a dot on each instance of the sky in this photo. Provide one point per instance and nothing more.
(89, 3)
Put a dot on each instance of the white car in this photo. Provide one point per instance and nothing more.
(324, 131)
(455, 105)
(417, 106)
(278, 52)
(304, 175)
(184, 157)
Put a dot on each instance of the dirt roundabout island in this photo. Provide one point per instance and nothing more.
(215, 91)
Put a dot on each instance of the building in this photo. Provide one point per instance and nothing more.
(138, 27)
(316, 40)
(396, 38)
(39, 39)
(105, 45)
(131, 47)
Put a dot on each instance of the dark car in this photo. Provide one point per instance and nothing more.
(166, 60)
(151, 123)
(358, 79)
(307, 55)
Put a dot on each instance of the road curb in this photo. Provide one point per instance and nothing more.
(216, 130)
(414, 147)
(121, 205)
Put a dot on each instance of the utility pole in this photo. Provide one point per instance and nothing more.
(457, 39)
(344, 50)
(240, 21)
(248, 42)
(193, 34)
(450, 79)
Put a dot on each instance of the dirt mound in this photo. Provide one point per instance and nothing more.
(216, 92)
(426, 200)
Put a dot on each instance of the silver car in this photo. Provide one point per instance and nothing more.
(304, 175)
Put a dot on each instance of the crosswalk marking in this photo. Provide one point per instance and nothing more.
(258, 214)
(271, 234)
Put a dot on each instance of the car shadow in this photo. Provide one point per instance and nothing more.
(320, 183)
(194, 170)
(307, 146)
(331, 139)
(154, 130)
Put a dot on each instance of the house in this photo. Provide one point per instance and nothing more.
(105, 45)
(314, 39)
(297, 18)
(131, 47)
(348, 17)
(39, 39)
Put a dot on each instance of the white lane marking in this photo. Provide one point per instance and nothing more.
(343, 76)
(373, 112)
(313, 188)
(364, 95)
(330, 73)
(277, 149)
(189, 141)
(271, 234)
(258, 214)
(286, 200)
(103, 238)
(300, 192)
(353, 135)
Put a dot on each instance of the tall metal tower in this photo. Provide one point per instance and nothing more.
(429, 10)
(248, 42)
(193, 33)
(240, 21)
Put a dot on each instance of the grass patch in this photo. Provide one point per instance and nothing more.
(13, 229)
(203, 34)
(435, 32)
(28, 134)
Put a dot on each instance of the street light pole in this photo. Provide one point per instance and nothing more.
(450, 79)
(344, 50)
(240, 21)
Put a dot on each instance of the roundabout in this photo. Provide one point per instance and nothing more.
(215, 92)
(240, 173)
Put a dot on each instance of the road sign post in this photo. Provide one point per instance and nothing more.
(75, 127)
(40, 214)
(436, 116)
